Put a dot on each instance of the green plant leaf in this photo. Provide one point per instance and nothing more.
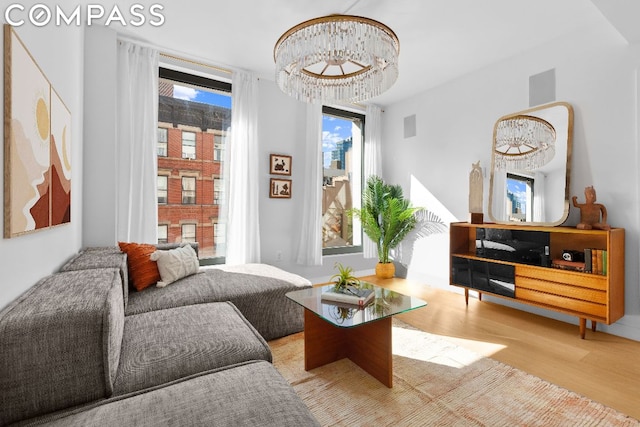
(387, 217)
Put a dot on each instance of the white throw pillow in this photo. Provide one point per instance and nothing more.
(175, 264)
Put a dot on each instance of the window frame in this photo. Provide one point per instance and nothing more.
(183, 191)
(195, 231)
(348, 115)
(529, 183)
(165, 189)
(212, 83)
(166, 227)
(218, 153)
(188, 132)
(163, 143)
(218, 190)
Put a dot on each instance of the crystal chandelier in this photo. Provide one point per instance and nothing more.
(336, 58)
(524, 143)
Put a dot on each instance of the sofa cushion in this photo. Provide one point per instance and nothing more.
(175, 264)
(168, 246)
(143, 272)
(101, 257)
(249, 394)
(60, 343)
(164, 345)
(260, 298)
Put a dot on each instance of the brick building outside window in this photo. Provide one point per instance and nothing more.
(191, 144)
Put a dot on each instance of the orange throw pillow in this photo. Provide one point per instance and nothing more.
(142, 271)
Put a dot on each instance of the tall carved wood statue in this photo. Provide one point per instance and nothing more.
(475, 193)
(590, 212)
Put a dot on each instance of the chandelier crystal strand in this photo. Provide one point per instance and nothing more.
(524, 143)
(336, 58)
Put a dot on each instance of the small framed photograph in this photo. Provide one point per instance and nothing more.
(280, 188)
(280, 164)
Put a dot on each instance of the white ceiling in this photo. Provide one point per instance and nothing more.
(439, 39)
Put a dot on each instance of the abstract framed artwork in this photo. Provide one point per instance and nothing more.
(37, 149)
(280, 188)
(279, 164)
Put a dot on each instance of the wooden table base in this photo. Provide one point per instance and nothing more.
(367, 345)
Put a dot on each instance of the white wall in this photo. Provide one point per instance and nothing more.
(596, 73)
(26, 259)
(282, 131)
(99, 227)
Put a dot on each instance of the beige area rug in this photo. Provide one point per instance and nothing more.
(436, 383)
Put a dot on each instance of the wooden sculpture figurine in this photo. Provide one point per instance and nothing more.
(590, 212)
(475, 193)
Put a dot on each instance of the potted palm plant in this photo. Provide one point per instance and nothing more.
(387, 218)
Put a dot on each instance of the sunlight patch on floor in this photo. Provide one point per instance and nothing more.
(442, 350)
(485, 348)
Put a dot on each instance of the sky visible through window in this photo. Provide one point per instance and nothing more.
(519, 190)
(201, 96)
(334, 130)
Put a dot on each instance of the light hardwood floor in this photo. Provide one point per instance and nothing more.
(603, 367)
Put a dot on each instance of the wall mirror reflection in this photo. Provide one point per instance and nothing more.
(530, 166)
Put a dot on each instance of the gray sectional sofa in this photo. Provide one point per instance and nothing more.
(80, 349)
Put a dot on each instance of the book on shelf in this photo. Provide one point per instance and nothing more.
(351, 295)
(595, 261)
(568, 265)
(588, 264)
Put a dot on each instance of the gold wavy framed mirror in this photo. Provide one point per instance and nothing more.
(531, 165)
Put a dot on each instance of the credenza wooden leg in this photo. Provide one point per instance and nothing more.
(593, 325)
(466, 296)
(583, 327)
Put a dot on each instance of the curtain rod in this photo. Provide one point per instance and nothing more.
(178, 56)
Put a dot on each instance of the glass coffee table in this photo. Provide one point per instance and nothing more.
(333, 331)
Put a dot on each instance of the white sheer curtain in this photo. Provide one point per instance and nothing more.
(243, 226)
(538, 197)
(310, 242)
(136, 144)
(372, 161)
(499, 207)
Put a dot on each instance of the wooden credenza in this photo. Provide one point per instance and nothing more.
(526, 275)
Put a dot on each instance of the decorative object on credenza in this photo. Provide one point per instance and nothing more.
(37, 159)
(279, 164)
(475, 193)
(280, 188)
(387, 218)
(336, 58)
(590, 212)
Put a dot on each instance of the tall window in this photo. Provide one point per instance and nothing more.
(188, 190)
(188, 145)
(519, 197)
(163, 189)
(163, 142)
(194, 118)
(342, 142)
